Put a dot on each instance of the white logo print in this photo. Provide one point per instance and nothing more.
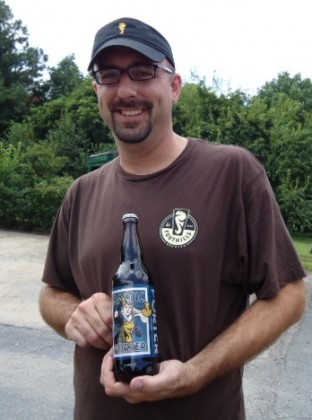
(179, 221)
(179, 229)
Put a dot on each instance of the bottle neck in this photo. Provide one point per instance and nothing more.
(131, 248)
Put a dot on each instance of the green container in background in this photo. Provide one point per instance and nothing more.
(98, 160)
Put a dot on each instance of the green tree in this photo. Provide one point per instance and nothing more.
(296, 88)
(80, 106)
(64, 78)
(21, 68)
(67, 140)
(231, 125)
(288, 145)
(196, 112)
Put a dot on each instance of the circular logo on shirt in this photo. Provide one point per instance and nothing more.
(178, 229)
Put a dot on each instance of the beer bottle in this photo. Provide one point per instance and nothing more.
(134, 314)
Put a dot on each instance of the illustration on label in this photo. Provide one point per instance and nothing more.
(135, 330)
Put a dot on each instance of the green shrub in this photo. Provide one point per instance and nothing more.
(296, 206)
(43, 201)
(32, 208)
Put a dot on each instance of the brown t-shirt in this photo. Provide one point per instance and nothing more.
(212, 234)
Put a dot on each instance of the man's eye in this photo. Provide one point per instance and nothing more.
(142, 72)
(109, 74)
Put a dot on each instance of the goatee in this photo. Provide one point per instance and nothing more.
(131, 132)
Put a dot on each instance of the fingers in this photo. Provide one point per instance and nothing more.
(98, 312)
(143, 388)
(107, 378)
(91, 323)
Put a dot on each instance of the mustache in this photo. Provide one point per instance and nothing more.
(131, 103)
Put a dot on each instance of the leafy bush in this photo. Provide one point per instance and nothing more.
(28, 200)
(32, 208)
(295, 206)
(42, 202)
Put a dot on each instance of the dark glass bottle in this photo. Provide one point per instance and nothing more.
(134, 312)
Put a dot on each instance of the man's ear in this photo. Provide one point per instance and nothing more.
(95, 86)
(177, 85)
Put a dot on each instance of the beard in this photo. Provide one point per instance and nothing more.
(132, 131)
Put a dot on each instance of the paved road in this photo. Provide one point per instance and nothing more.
(36, 364)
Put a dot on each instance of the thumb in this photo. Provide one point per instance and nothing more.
(136, 385)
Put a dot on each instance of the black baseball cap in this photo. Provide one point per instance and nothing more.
(134, 34)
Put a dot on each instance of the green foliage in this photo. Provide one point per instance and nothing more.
(41, 203)
(293, 87)
(83, 109)
(10, 158)
(43, 119)
(13, 103)
(232, 125)
(20, 134)
(64, 78)
(80, 107)
(32, 207)
(30, 191)
(290, 135)
(296, 204)
(195, 114)
(70, 143)
(43, 160)
(21, 67)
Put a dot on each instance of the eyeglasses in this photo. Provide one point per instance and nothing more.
(136, 72)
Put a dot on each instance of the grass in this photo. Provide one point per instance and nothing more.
(303, 245)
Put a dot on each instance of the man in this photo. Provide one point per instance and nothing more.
(212, 235)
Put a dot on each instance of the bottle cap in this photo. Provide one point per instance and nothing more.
(130, 215)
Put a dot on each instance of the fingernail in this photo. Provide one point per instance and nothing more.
(137, 385)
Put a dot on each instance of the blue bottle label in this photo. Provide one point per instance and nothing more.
(135, 325)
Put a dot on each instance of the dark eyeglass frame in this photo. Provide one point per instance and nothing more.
(129, 70)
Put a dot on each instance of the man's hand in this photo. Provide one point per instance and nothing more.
(258, 327)
(91, 323)
(174, 380)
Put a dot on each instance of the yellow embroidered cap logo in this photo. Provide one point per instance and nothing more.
(122, 27)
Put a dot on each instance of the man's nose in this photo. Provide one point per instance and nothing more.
(126, 86)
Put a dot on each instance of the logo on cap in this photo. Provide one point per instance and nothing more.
(122, 27)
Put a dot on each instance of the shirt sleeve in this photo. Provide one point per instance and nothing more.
(57, 270)
(272, 261)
